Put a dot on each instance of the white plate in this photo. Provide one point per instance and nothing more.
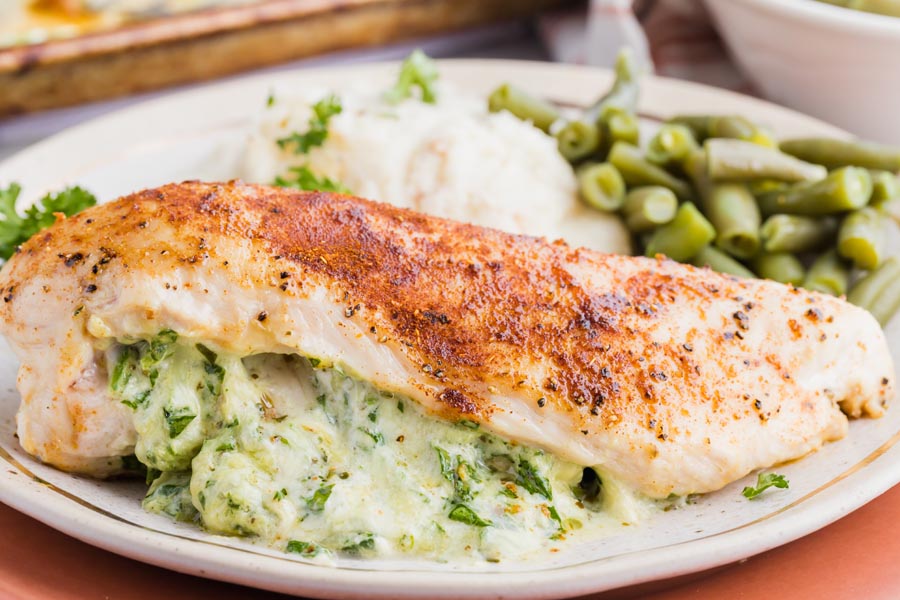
(197, 135)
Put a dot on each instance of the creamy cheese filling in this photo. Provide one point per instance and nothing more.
(308, 459)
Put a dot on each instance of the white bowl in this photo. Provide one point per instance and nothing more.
(840, 65)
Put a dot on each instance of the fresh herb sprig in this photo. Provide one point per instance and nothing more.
(417, 71)
(763, 482)
(302, 178)
(16, 229)
(317, 133)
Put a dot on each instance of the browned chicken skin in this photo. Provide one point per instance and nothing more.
(668, 378)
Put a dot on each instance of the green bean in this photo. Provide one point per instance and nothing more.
(723, 126)
(879, 291)
(524, 106)
(782, 267)
(828, 274)
(764, 186)
(578, 140)
(601, 186)
(671, 145)
(862, 238)
(795, 233)
(628, 159)
(732, 210)
(833, 153)
(890, 8)
(683, 237)
(621, 127)
(649, 207)
(885, 186)
(720, 263)
(738, 160)
(842, 191)
(624, 92)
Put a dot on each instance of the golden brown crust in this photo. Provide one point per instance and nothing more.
(469, 305)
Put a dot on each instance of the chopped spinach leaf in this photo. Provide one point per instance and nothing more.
(365, 541)
(464, 514)
(529, 478)
(177, 419)
(316, 502)
(304, 548)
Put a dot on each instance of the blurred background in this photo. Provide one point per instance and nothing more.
(64, 61)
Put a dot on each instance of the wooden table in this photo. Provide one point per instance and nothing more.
(852, 559)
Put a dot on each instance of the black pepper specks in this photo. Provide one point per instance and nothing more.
(262, 316)
(90, 288)
(73, 259)
(351, 310)
(284, 275)
(688, 347)
(542, 402)
(742, 319)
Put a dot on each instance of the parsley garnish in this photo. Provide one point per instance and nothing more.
(302, 178)
(416, 71)
(763, 482)
(15, 229)
(315, 136)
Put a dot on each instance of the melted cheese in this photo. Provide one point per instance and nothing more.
(312, 461)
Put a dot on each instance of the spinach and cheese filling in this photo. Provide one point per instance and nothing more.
(308, 459)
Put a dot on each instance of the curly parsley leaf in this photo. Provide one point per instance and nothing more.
(417, 71)
(16, 229)
(763, 482)
(316, 134)
(302, 178)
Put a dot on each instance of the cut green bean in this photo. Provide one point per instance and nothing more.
(796, 233)
(720, 262)
(636, 170)
(738, 160)
(623, 94)
(862, 238)
(828, 274)
(732, 210)
(601, 186)
(843, 190)
(782, 267)
(833, 153)
(524, 106)
(723, 126)
(879, 291)
(578, 140)
(621, 127)
(672, 145)
(646, 208)
(885, 186)
(683, 237)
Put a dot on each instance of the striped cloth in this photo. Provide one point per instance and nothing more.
(674, 38)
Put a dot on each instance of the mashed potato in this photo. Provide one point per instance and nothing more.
(452, 159)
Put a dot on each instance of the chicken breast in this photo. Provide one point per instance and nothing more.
(664, 377)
